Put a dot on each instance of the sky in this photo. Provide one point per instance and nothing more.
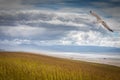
(59, 24)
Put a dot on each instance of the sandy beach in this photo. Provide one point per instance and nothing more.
(111, 59)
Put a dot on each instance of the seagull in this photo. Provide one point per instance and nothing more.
(99, 20)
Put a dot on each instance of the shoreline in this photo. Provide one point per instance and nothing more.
(113, 60)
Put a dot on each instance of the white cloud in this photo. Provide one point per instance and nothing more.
(15, 42)
(51, 42)
(83, 38)
(59, 22)
(50, 17)
(92, 38)
(80, 19)
(87, 34)
(57, 18)
(21, 31)
(73, 38)
(110, 41)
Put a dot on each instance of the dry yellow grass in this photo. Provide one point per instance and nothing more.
(28, 66)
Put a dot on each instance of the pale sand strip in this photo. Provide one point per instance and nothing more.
(96, 58)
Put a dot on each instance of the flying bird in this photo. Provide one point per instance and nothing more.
(99, 20)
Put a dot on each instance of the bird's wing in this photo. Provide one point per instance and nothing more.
(97, 16)
(106, 26)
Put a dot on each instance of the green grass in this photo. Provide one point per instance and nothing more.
(28, 66)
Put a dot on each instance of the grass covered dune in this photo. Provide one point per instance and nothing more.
(28, 66)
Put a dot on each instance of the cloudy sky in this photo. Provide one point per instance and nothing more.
(42, 24)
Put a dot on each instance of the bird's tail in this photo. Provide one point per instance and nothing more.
(115, 30)
(111, 30)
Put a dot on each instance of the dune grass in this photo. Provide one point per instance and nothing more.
(28, 66)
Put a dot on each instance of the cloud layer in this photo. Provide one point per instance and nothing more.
(42, 27)
(42, 23)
